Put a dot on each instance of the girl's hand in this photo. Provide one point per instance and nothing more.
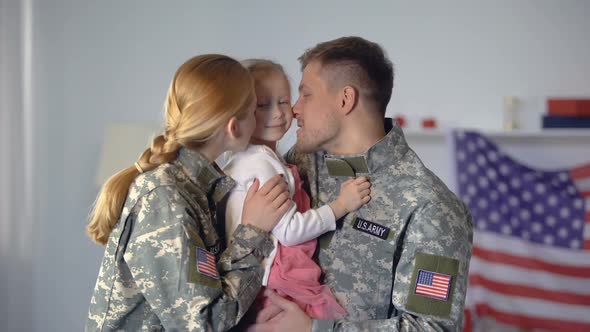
(264, 208)
(354, 193)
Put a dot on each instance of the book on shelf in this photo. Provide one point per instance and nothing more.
(550, 121)
(568, 107)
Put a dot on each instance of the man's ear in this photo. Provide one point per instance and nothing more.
(348, 99)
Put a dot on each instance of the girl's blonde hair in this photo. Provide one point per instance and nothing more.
(205, 93)
(263, 66)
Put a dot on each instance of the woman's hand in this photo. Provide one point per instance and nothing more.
(264, 208)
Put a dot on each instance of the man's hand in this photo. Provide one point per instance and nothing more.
(268, 313)
(283, 315)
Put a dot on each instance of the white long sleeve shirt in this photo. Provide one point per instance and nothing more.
(259, 161)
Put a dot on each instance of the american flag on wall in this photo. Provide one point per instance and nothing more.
(530, 267)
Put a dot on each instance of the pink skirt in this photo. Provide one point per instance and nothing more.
(296, 276)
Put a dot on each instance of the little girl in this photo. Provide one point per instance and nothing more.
(290, 269)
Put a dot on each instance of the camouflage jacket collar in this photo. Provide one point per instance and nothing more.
(200, 170)
(384, 153)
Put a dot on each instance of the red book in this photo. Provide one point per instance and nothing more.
(428, 123)
(568, 107)
(401, 120)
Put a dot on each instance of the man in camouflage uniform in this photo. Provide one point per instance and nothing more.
(400, 262)
(156, 275)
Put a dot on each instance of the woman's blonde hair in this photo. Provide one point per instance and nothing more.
(205, 93)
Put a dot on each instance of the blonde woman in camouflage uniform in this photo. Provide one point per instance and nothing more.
(166, 264)
(400, 262)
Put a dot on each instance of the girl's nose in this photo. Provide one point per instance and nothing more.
(276, 112)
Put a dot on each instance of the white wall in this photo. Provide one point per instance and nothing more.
(98, 62)
(16, 218)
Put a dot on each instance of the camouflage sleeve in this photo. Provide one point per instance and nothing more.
(178, 279)
(437, 243)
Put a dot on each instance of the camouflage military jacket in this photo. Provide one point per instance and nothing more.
(166, 266)
(400, 262)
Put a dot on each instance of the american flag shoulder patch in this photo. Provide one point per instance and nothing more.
(433, 284)
(206, 263)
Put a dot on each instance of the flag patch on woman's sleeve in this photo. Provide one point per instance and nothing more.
(206, 263)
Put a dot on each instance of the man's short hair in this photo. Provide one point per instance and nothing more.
(356, 61)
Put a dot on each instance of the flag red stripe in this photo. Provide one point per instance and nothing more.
(436, 294)
(467, 323)
(208, 272)
(440, 289)
(531, 263)
(434, 286)
(439, 277)
(581, 172)
(207, 268)
(529, 322)
(206, 264)
(443, 287)
(433, 290)
(528, 291)
(209, 265)
(585, 193)
(442, 283)
(587, 244)
(587, 216)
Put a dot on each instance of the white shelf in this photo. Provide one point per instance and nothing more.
(545, 133)
(549, 149)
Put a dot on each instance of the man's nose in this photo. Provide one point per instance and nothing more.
(296, 109)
